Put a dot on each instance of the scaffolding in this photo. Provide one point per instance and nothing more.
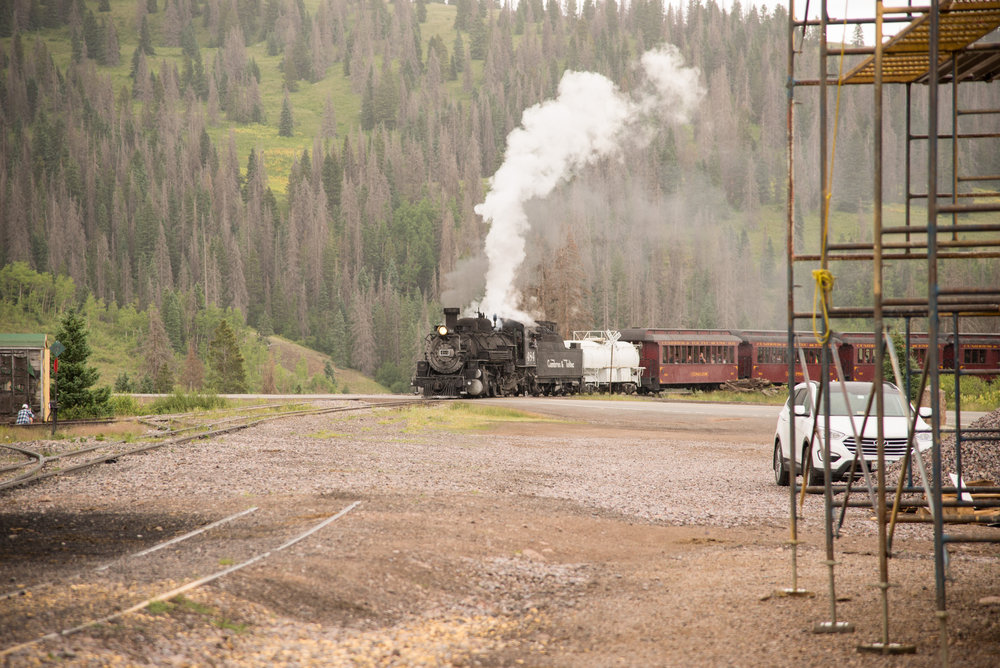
(940, 44)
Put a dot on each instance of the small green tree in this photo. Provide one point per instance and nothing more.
(226, 374)
(286, 124)
(124, 384)
(75, 377)
(899, 343)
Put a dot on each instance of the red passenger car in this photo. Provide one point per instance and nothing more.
(762, 355)
(978, 355)
(859, 349)
(684, 357)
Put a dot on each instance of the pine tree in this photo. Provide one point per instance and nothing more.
(193, 374)
(173, 320)
(145, 39)
(362, 334)
(157, 354)
(332, 180)
(286, 124)
(75, 377)
(226, 374)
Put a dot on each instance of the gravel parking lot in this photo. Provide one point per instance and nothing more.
(539, 542)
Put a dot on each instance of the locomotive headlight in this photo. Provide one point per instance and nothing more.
(442, 330)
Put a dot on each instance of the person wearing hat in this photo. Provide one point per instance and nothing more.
(25, 416)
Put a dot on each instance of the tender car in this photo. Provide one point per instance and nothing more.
(842, 441)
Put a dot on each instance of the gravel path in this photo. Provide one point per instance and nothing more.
(543, 544)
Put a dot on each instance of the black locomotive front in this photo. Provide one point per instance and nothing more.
(473, 357)
(467, 357)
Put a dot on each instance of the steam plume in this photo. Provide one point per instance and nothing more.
(589, 120)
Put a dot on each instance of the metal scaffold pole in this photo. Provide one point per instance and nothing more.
(794, 589)
(933, 324)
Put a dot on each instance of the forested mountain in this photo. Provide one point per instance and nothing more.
(314, 164)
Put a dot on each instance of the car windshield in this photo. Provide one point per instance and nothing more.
(859, 401)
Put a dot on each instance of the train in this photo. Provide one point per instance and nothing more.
(479, 357)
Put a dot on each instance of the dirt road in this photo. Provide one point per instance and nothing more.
(610, 541)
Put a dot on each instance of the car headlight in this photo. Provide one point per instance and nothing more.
(834, 435)
(924, 437)
(834, 456)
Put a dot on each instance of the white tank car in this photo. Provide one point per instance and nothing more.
(607, 360)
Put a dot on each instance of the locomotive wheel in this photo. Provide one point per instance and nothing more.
(781, 476)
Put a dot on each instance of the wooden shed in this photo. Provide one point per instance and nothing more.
(24, 375)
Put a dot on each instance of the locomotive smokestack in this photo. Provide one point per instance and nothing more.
(451, 318)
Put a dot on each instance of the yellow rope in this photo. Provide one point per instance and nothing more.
(824, 285)
(824, 278)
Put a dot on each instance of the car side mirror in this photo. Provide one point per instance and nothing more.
(925, 412)
(801, 410)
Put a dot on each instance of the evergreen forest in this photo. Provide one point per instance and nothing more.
(310, 168)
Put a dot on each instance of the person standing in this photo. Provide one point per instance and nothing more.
(25, 416)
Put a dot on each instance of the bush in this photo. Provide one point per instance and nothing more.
(124, 384)
(178, 402)
(85, 412)
(393, 376)
(124, 405)
(321, 384)
(977, 394)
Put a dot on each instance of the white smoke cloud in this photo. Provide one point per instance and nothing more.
(589, 120)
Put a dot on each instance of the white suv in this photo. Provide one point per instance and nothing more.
(842, 442)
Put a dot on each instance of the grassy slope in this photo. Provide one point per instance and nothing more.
(288, 354)
(115, 351)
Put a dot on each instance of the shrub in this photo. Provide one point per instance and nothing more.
(178, 402)
(124, 405)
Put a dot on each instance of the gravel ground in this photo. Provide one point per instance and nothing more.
(980, 457)
(533, 543)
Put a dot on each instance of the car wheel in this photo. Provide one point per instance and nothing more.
(780, 472)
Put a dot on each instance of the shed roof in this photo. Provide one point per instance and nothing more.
(23, 340)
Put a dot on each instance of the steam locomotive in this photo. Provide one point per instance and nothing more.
(479, 357)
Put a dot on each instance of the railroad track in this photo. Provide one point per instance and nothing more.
(37, 466)
(121, 602)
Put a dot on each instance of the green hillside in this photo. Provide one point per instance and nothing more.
(120, 341)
